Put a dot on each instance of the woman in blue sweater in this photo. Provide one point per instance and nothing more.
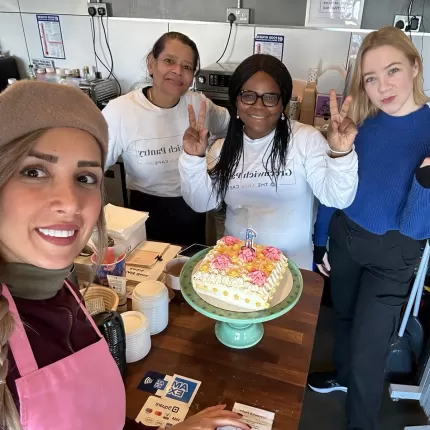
(375, 243)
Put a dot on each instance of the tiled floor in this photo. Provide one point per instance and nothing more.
(326, 411)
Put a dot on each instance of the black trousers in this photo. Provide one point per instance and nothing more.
(370, 281)
(170, 219)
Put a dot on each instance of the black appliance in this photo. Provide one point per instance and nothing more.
(8, 69)
(213, 82)
(111, 327)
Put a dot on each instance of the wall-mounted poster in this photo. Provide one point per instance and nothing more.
(334, 13)
(50, 36)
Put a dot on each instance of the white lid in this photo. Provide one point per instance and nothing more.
(50, 70)
(60, 71)
(11, 81)
(147, 303)
(134, 322)
(149, 290)
(41, 71)
(68, 72)
(123, 220)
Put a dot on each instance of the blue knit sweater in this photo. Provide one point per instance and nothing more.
(389, 197)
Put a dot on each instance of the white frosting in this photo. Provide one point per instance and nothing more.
(239, 290)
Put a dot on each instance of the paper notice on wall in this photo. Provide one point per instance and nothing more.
(270, 44)
(334, 13)
(50, 36)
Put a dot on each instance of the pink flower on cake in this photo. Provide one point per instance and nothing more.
(230, 240)
(258, 277)
(221, 262)
(247, 255)
(272, 253)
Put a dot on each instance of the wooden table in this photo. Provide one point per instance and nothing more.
(270, 376)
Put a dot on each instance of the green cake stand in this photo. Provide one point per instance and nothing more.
(238, 330)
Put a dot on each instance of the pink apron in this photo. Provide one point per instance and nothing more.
(84, 391)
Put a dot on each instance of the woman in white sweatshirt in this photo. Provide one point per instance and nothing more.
(146, 129)
(267, 170)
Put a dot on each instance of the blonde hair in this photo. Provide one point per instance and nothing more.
(361, 106)
(11, 157)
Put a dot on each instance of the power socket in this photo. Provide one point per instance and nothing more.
(404, 21)
(242, 15)
(99, 7)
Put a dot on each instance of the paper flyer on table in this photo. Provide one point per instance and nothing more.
(258, 419)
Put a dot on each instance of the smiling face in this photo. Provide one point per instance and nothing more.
(259, 119)
(173, 71)
(50, 206)
(388, 79)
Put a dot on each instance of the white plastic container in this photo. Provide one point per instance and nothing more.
(126, 225)
(172, 272)
(152, 299)
(137, 337)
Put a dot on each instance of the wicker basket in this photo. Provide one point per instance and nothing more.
(110, 297)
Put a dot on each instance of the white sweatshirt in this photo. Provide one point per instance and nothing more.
(149, 138)
(282, 217)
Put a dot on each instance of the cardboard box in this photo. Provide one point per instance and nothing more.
(307, 108)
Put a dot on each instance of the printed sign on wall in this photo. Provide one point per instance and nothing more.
(50, 36)
(334, 13)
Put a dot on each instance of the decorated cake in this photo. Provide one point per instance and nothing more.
(240, 273)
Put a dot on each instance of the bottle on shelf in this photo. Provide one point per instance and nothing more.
(31, 73)
(41, 74)
(61, 74)
(50, 75)
(86, 73)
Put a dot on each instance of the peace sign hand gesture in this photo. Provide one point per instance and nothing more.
(342, 130)
(196, 136)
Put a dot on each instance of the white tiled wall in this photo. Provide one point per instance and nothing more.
(305, 49)
(131, 41)
(9, 6)
(71, 7)
(12, 38)
(77, 38)
(211, 40)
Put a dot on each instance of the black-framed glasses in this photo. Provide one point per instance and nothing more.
(251, 97)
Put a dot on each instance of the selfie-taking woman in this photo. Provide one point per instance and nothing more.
(56, 371)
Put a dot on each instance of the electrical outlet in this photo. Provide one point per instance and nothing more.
(99, 7)
(404, 21)
(242, 15)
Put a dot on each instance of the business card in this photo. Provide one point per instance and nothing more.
(154, 383)
(258, 419)
(162, 413)
(182, 389)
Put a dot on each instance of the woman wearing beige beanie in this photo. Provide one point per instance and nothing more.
(56, 371)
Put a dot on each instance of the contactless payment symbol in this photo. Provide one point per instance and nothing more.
(152, 382)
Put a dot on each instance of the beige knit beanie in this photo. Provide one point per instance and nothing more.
(28, 106)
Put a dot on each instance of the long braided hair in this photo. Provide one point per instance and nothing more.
(232, 149)
(11, 157)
